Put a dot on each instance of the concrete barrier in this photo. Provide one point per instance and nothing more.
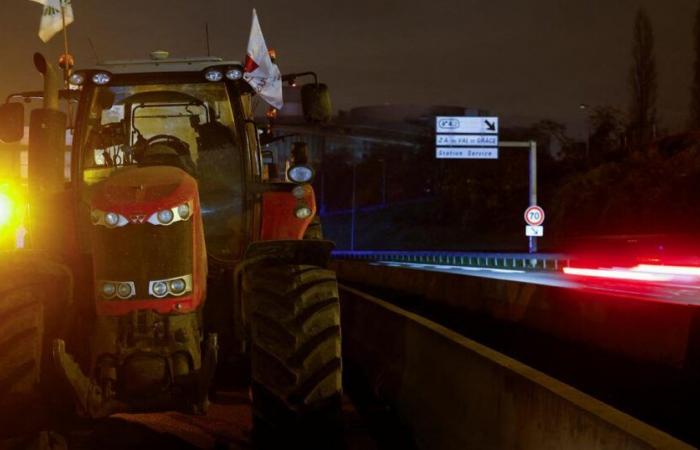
(453, 393)
(640, 329)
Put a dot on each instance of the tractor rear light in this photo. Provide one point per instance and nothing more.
(77, 79)
(213, 75)
(172, 286)
(101, 78)
(300, 174)
(303, 212)
(108, 219)
(234, 74)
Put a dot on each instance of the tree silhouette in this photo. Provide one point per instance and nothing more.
(643, 82)
(694, 122)
(607, 134)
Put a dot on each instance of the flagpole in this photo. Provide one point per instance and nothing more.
(66, 65)
(67, 62)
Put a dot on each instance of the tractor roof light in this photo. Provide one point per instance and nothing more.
(101, 78)
(213, 75)
(300, 174)
(234, 74)
(77, 79)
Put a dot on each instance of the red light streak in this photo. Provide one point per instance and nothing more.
(617, 274)
(670, 270)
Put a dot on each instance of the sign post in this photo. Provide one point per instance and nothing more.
(532, 181)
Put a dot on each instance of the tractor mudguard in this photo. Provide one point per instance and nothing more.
(303, 252)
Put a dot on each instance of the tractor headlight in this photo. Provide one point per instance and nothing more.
(172, 286)
(300, 174)
(111, 219)
(303, 212)
(158, 289)
(108, 219)
(165, 217)
(120, 289)
(299, 192)
(124, 290)
(178, 286)
(183, 211)
(108, 289)
(169, 216)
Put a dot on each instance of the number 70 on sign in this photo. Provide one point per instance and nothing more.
(534, 216)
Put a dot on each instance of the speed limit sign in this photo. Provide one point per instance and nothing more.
(534, 216)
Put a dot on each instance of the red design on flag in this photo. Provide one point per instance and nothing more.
(260, 72)
(250, 65)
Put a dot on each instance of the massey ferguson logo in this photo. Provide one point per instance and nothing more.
(138, 218)
(448, 124)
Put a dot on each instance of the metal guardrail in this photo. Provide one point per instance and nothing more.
(529, 261)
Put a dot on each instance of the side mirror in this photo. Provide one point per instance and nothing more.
(316, 102)
(11, 122)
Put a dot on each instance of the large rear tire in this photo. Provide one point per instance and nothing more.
(21, 338)
(33, 295)
(295, 355)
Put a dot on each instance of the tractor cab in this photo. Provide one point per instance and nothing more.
(192, 115)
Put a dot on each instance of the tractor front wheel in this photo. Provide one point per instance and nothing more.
(295, 355)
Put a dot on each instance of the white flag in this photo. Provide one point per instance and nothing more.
(52, 17)
(259, 71)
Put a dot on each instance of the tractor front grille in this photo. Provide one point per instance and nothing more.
(143, 252)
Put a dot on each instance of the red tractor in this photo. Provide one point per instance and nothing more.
(169, 205)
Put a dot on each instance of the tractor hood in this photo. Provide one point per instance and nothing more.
(144, 190)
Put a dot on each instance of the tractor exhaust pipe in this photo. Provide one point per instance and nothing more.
(51, 82)
(46, 158)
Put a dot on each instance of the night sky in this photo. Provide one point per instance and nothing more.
(522, 60)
